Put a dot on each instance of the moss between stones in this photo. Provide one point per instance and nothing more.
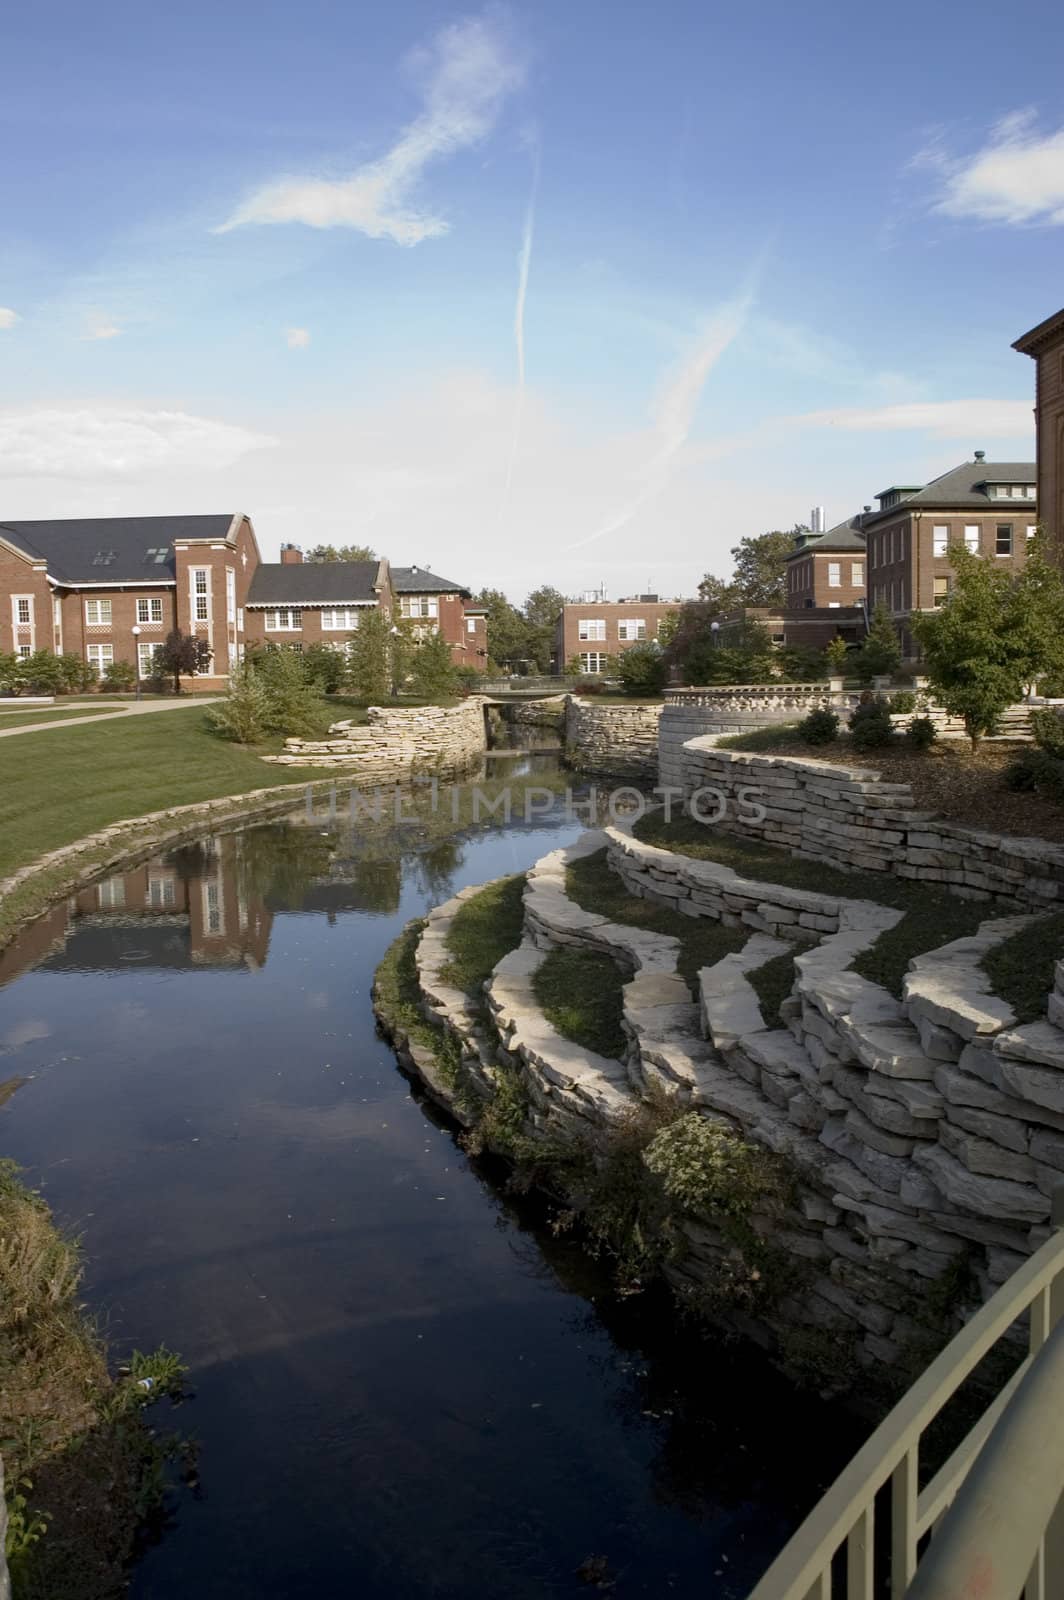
(594, 886)
(932, 916)
(484, 929)
(83, 1472)
(1021, 969)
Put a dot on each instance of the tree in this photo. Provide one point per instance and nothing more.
(974, 660)
(293, 707)
(370, 658)
(432, 668)
(508, 631)
(181, 655)
(717, 593)
(696, 653)
(1038, 614)
(542, 610)
(325, 668)
(41, 673)
(342, 552)
(78, 674)
(760, 576)
(10, 681)
(836, 652)
(880, 652)
(642, 669)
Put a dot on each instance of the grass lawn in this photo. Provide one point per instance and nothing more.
(703, 942)
(55, 791)
(21, 719)
(932, 915)
(579, 992)
(779, 735)
(486, 928)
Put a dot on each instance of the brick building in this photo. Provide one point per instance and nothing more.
(827, 569)
(989, 506)
(110, 589)
(1045, 345)
(593, 631)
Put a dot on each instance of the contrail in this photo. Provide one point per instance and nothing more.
(524, 261)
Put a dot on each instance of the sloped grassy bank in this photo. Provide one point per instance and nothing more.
(84, 1472)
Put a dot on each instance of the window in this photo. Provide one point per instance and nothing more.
(471, 625)
(156, 555)
(940, 539)
(162, 893)
(146, 658)
(633, 628)
(1032, 529)
(103, 558)
(591, 628)
(98, 613)
(339, 617)
(200, 595)
(213, 917)
(150, 611)
(834, 574)
(100, 656)
(857, 573)
(57, 613)
(112, 892)
(240, 619)
(834, 605)
(1003, 539)
(971, 537)
(593, 661)
(230, 594)
(941, 590)
(25, 651)
(284, 619)
(24, 610)
(418, 605)
(1032, 490)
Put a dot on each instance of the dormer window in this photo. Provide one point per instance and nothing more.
(156, 556)
(103, 558)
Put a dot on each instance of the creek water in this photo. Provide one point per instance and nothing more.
(405, 1385)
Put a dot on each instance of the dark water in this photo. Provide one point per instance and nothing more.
(405, 1386)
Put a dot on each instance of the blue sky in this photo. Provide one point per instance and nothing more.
(545, 293)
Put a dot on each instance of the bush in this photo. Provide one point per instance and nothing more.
(1048, 730)
(870, 725)
(642, 669)
(799, 664)
(901, 702)
(119, 675)
(1036, 771)
(41, 673)
(432, 673)
(880, 654)
(1051, 687)
(921, 733)
(819, 727)
(78, 675)
(325, 668)
(836, 653)
(245, 714)
(10, 680)
(468, 679)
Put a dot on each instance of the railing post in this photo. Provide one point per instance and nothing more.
(903, 1490)
(1052, 1552)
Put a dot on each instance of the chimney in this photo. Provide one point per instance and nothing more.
(816, 520)
(291, 555)
(980, 455)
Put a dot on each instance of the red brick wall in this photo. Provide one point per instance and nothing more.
(1049, 414)
(808, 578)
(18, 577)
(77, 634)
(613, 613)
(902, 565)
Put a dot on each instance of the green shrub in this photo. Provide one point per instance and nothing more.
(1048, 730)
(78, 675)
(294, 710)
(870, 725)
(642, 669)
(41, 673)
(1051, 687)
(836, 652)
(325, 668)
(708, 1169)
(245, 713)
(1037, 771)
(901, 701)
(10, 679)
(921, 733)
(119, 675)
(432, 673)
(819, 727)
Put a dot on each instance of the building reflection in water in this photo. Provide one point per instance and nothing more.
(209, 904)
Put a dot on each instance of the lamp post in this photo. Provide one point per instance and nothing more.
(714, 630)
(394, 633)
(136, 653)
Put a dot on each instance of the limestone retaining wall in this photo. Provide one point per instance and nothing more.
(848, 816)
(615, 740)
(731, 708)
(548, 713)
(398, 740)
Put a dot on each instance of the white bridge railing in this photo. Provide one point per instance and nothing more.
(994, 1508)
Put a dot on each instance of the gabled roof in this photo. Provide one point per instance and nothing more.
(419, 580)
(846, 535)
(310, 583)
(1031, 344)
(115, 550)
(963, 487)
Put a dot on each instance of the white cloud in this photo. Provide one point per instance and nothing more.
(117, 443)
(469, 69)
(8, 318)
(941, 419)
(297, 338)
(1016, 177)
(101, 327)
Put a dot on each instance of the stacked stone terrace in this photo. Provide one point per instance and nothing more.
(922, 1129)
(397, 740)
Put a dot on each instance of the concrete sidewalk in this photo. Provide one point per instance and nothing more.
(136, 708)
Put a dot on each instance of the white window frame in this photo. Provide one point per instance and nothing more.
(940, 540)
(98, 613)
(1003, 555)
(339, 619)
(592, 630)
(939, 598)
(150, 612)
(200, 598)
(293, 619)
(471, 625)
(631, 629)
(24, 652)
(146, 649)
(834, 574)
(230, 595)
(857, 573)
(100, 656)
(1032, 529)
(162, 893)
(419, 605)
(17, 603)
(594, 662)
(972, 537)
(111, 893)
